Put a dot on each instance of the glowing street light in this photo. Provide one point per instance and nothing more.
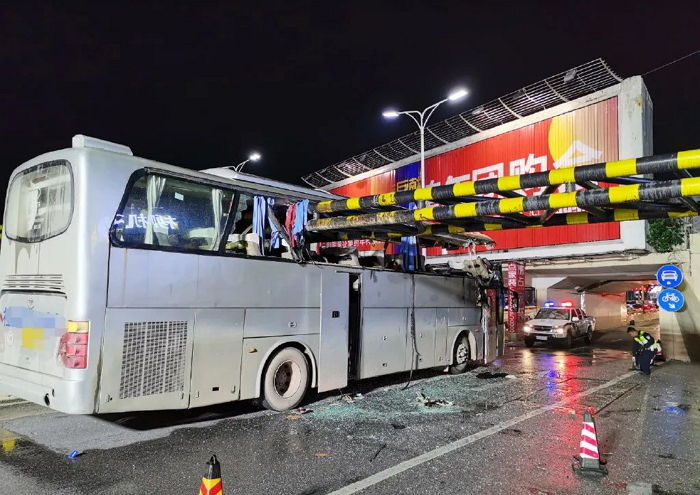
(421, 119)
(253, 157)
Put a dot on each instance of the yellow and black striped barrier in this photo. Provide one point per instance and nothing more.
(657, 164)
(652, 191)
(579, 218)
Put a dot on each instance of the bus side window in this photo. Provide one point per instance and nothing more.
(245, 239)
(172, 213)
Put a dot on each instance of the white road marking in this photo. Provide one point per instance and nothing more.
(463, 442)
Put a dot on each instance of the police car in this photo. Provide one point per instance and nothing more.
(559, 324)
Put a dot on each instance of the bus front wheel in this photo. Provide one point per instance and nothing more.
(286, 380)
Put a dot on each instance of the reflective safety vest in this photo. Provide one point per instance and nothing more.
(645, 340)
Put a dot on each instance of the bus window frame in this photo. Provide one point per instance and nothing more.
(60, 161)
(221, 251)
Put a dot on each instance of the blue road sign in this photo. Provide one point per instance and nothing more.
(669, 276)
(670, 300)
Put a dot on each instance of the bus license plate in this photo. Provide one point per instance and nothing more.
(541, 337)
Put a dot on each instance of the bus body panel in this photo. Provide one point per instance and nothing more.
(216, 358)
(146, 359)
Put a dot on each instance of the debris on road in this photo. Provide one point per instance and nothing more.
(398, 426)
(322, 454)
(382, 447)
(297, 413)
(74, 454)
(351, 398)
(429, 402)
(512, 431)
(491, 374)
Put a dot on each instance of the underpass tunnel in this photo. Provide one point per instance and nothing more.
(612, 298)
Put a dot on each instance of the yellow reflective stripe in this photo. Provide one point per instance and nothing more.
(623, 214)
(510, 183)
(562, 200)
(577, 218)
(690, 187)
(621, 168)
(688, 159)
(511, 205)
(463, 189)
(638, 340)
(534, 226)
(562, 175)
(681, 214)
(454, 229)
(465, 210)
(324, 207)
(323, 222)
(352, 204)
(423, 194)
(387, 199)
(423, 214)
(620, 194)
(493, 226)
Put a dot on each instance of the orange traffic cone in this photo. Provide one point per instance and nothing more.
(211, 482)
(589, 456)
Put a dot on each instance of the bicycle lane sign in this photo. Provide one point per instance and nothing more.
(670, 300)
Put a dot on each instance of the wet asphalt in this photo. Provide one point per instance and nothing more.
(513, 433)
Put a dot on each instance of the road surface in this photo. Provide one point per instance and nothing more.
(513, 433)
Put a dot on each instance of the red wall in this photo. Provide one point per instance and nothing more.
(583, 136)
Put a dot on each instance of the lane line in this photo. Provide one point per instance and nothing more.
(458, 444)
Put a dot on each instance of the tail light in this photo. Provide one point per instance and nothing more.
(73, 346)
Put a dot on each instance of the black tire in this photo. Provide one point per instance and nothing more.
(286, 380)
(568, 340)
(460, 355)
(529, 341)
(589, 336)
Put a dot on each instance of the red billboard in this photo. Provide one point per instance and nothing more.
(583, 136)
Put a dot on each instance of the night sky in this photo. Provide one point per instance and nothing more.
(200, 84)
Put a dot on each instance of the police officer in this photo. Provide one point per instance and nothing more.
(644, 349)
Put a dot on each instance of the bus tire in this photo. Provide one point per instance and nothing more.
(286, 380)
(460, 355)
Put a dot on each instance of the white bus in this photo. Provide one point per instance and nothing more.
(125, 286)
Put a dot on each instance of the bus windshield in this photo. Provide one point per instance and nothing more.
(40, 202)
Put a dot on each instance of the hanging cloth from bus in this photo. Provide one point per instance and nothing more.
(275, 234)
(260, 219)
(289, 221)
(300, 219)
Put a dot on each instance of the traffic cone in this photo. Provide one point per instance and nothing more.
(211, 482)
(589, 457)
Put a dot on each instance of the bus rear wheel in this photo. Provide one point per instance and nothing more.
(460, 357)
(286, 380)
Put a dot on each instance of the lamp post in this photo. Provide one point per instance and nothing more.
(421, 119)
(253, 157)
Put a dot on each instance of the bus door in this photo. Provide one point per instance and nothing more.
(335, 316)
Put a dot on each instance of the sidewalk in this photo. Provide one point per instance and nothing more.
(651, 435)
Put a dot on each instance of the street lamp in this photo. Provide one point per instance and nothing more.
(421, 120)
(253, 157)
